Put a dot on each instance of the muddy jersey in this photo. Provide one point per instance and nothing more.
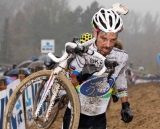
(95, 92)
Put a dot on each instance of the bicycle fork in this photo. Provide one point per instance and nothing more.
(52, 101)
(45, 93)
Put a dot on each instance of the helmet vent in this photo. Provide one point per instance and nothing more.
(110, 21)
(117, 25)
(102, 11)
(114, 14)
(102, 23)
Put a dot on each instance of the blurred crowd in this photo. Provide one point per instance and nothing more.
(10, 73)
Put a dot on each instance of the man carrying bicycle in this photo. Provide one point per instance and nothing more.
(84, 37)
(106, 24)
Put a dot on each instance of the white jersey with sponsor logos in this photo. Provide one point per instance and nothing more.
(95, 93)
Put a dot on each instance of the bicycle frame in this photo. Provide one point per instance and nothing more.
(62, 65)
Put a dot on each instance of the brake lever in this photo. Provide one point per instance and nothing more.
(79, 49)
(69, 49)
(110, 66)
(111, 71)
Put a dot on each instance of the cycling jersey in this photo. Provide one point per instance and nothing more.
(95, 92)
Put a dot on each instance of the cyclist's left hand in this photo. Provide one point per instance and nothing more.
(126, 113)
(115, 98)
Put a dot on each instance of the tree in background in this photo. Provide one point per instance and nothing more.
(87, 16)
(5, 51)
(30, 21)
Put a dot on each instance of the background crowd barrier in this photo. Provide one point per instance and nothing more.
(18, 117)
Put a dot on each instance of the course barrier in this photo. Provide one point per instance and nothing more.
(18, 116)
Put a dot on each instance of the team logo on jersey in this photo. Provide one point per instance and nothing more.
(98, 86)
(97, 62)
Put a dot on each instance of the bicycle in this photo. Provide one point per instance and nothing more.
(60, 79)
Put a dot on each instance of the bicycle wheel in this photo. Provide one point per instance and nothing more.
(15, 116)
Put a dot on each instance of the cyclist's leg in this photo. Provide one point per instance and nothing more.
(94, 122)
(66, 118)
(86, 122)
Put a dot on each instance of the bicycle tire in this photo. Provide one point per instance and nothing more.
(71, 92)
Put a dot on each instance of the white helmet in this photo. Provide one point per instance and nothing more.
(107, 20)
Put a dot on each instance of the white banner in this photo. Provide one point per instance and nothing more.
(18, 116)
(30, 93)
(18, 121)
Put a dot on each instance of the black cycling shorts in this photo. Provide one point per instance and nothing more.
(86, 122)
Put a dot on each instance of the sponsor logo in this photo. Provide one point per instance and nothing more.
(97, 62)
(98, 86)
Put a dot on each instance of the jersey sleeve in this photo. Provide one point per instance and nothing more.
(121, 82)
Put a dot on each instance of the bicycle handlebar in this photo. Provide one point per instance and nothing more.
(72, 46)
(65, 55)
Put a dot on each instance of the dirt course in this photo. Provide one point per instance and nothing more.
(145, 105)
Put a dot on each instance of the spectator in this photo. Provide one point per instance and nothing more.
(14, 66)
(8, 69)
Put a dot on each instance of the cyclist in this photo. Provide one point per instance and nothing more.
(106, 25)
(87, 36)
